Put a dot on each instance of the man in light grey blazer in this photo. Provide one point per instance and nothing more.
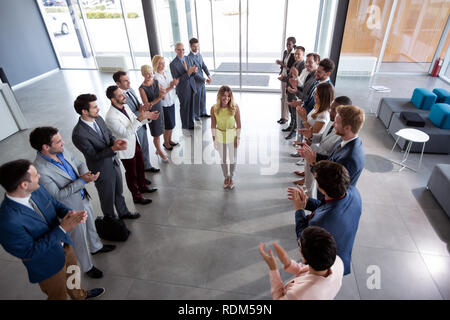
(123, 82)
(200, 96)
(64, 177)
(95, 141)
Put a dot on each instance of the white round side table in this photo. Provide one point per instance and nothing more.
(410, 135)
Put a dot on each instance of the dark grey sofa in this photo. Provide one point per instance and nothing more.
(389, 113)
(439, 185)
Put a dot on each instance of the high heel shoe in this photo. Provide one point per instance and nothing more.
(168, 148)
(166, 160)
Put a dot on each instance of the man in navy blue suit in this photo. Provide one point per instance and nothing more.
(30, 230)
(348, 151)
(200, 96)
(183, 69)
(338, 213)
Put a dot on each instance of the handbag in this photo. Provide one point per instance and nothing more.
(111, 229)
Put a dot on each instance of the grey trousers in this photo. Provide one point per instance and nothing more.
(85, 239)
(232, 154)
(110, 193)
(143, 141)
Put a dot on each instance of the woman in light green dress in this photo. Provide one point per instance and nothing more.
(225, 128)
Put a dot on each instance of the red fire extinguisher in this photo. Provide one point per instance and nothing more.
(437, 67)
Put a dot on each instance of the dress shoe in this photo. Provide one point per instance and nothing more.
(105, 248)
(279, 121)
(94, 293)
(300, 173)
(300, 162)
(283, 121)
(205, 116)
(300, 182)
(148, 190)
(152, 170)
(295, 154)
(148, 181)
(290, 135)
(287, 129)
(130, 215)
(94, 273)
(142, 201)
(173, 144)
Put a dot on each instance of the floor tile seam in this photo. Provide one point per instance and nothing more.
(411, 235)
(432, 278)
(356, 280)
(389, 249)
(204, 229)
(187, 286)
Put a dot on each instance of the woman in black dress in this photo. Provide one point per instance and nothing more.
(151, 95)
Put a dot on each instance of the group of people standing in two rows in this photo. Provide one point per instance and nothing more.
(327, 203)
(46, 218)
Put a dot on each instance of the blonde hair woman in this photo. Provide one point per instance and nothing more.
(225, 128)
(168, 103)
(152, 94)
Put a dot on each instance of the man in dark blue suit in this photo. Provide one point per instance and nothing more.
(338, 213)
(183, 69)
(200, 96)
(349, 150)
(30, 230)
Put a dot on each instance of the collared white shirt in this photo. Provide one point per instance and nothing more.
(327, 79)
(24, 201)
(343, 143)
(302, 77)
(89, 123)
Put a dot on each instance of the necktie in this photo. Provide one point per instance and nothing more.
(36, 209)
(133, 99)
(331, 128)
(185, 65)
(97, 129)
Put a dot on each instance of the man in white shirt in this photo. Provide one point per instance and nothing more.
(124, 124)
(123, 82)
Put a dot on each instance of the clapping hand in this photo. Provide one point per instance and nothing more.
(73, 219)
(301, 112)
(282, 255)
(295, 103)
(268, 258)
(298, 197)
(153, 115)
(119, 145)
(294, 72)
(306, 132)
(89, 176)
(174, 82)
(294, 83)
(307, 153)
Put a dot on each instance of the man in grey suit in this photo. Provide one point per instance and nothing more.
(200, 96)
(95, 141)
(183, 69)
(123, 82)
(64, 177)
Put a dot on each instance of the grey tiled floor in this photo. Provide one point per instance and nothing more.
(197, 241)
